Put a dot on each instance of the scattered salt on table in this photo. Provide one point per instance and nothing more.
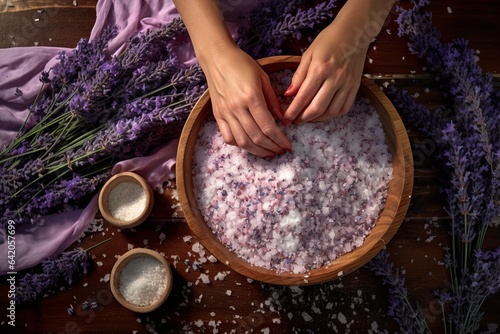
(126, 201)
(143, 280)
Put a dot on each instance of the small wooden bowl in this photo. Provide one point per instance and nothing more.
(113, 182)
(398, 199)
(122, 262)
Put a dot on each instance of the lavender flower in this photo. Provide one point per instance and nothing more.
(51, 275)
(410, 320)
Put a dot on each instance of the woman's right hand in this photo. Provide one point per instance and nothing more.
(244, 103)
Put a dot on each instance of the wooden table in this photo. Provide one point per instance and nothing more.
(352, 304)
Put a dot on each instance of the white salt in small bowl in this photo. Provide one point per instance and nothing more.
(141, 280)
(126, 200)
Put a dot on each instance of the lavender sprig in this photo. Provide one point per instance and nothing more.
(52, 275)
(409, 318)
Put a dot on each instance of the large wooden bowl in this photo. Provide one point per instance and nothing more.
(394, 211)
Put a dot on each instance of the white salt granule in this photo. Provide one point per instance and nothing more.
(127, 201)
(449, 10)
(306, 316)
(342, 318)
(143, 280)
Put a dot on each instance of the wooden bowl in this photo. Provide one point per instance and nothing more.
(117, 270)
(394, 211)
(111, 184)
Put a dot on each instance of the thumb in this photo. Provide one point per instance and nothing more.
(298, 77)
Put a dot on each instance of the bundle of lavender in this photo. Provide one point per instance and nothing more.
(94, 110)
(469, 149)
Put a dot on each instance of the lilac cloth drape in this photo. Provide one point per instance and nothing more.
(20, 69)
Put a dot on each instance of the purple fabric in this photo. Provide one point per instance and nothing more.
(20, 68)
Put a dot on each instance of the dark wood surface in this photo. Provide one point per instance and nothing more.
(355, 303)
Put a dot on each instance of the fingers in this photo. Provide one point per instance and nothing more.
(254, 130)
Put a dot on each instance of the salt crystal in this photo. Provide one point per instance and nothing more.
(204, 278)
(449, 10)
(221, 276)
(342, 318)
(229, 292)
(162, 237)
(306, 316)
(187, 238)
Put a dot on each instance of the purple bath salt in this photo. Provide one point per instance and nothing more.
(300, 210)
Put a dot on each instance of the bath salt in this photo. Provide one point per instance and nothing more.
(143, 280)
(127, 201)
(297, 211)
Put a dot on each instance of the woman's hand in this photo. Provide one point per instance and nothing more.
(244, 103)
(327, 80)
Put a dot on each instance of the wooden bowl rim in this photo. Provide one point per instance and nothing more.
(113, 182)
(123, 260)
(349, 261)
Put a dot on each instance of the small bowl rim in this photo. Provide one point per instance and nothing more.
(349, 262)
(113, 182)
(123, 260)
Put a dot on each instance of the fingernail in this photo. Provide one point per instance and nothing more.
(287, 91)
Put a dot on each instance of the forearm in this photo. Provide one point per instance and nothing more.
(355, 26)
(365, 16)
(206, 27)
